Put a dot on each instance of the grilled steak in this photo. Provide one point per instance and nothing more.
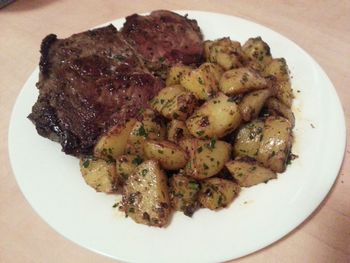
(96, 79)
(164, 38)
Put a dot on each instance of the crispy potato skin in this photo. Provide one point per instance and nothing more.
(275, 143)
(216, 193)
(146, 196)
(170, 155)
(215, 118)
(207, 157)
(276, 107)
(247, 172)
(99, 174)
(252, 103)
(257, 51)
(184, 194)
(248, 139)
(113, 143)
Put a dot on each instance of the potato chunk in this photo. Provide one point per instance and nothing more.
(278, 68)
(258, 51)
(201, 82)
(170, 155)
(216, 193)
(241, 80)
(283, 91)
(248, 139)
(125, 165)
(226, 53)
(276, 107)
(177, 130)
(275, 144)
(252, 103)
(113, 143)
(207, 157)
(175, 74)
(248, 172)
(164, 96)
(99, 174)
(215, 118)
(183, 194)
(146, 196)
(151, 127)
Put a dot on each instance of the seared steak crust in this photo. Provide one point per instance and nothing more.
(96, 79)
(164, 38)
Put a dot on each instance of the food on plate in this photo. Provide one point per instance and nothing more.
(99, 174)
(163, 118)
(146, 195)
(248, 172)
(100, 78)
(217, 192)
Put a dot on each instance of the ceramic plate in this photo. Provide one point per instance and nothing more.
(52, 184)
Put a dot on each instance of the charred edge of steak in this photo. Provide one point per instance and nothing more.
(44, 63)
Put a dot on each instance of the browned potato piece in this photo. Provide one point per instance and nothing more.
(99, 174)
(275, 144)
(278, 68)
(216, 193)
(213, 69)
(146, 196)
(207, 157)
(175, 73)
(215, 118)
(150, 127)
(252, 103)
(180, 107)
(183, 194)
(284, 92)
(207, 45)
(276, 107)
(125, 165)
(170, 155)
(248, 172)
(226, 53)
(258, 51)
(177, 130)
(248, 138)
(113, 143)
(164, 96)
(201, 82)
(241, 80)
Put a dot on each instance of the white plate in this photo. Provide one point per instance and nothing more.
(52, 184)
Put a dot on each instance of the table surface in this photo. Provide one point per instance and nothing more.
(322, 28)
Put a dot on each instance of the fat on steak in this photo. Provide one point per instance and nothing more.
(96, 79)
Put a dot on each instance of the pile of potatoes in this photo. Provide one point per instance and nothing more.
(213, 129)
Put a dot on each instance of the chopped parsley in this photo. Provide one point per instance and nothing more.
(86, 163)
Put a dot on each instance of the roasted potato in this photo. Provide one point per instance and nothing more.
(284, 92)
(183, 194)
(164, 96)
(248, 139)
(175, 73)
(252, 103)
(145, 195)
(241, 80)
(213, 69)
(276, 107)
(207, 157)
(248, 172)
(226, 53)
(125, 165)
(151, 127)
(99, 174)
(177, 130)
(207, 45)
(170, 155)
(275, 143)
(258, 51)
(215, 118)
(113, 143)
(278, 68)
(201, 82)
(216, 193)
